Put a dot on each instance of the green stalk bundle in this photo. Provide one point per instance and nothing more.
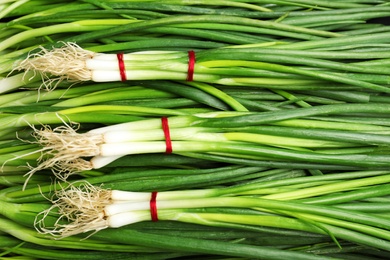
(278, 209)
(269, 68)
(280, 137)
(124, 26)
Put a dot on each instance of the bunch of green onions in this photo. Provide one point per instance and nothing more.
(150, 25)
(339, 209)
(286, 139)
(348, 207)
(268, 67)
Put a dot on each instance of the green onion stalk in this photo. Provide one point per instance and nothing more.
(19, 209)
(118, 26)
(325, 137)
(268, 68)
(89, 208)
(309, 207)
(274, 137)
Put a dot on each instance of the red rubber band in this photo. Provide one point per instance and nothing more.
(167, 135)
(153, 207)
(122, 69)
(191, 65)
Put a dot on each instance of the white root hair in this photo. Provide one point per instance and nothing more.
(64, 151)
(80, 209)
(65, 63)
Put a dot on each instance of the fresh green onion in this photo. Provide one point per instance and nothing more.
(278, 136)
(107, 208)
(212, 66)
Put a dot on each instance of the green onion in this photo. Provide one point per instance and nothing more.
(108, 208)
(213, 66)
(229, 134)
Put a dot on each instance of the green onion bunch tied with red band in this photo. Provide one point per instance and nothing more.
(304, 138)
(278, 66)
(315, 208)
(314, 204)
